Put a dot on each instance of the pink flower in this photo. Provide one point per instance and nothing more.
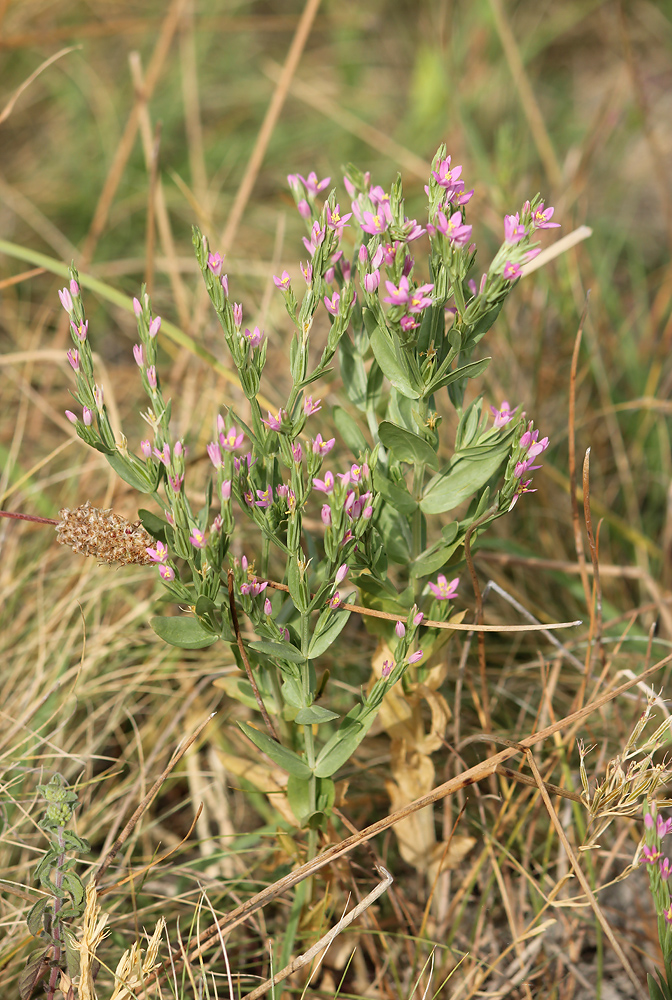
(541, 218)
(146, 449)
(71, 416)
(167, 573)
(309, 407)
(268, 607)
(311, 183)
(253, 587)
(325, 485)
(650, 855)
(335, 220)
(159, 554)
(663, 826)
(447, 178)
(237, 315)
(502, 415)
(372, 281)
(321, 447)
(511, 271)
(418, 618)
(282, 282)
(297, 452)
(453, 228)
(419, 299)
(378, 222)
(255, 338)
(81, 330)
(408, 323)
(442, 590)
(74, 287)
(66, 300)
(163, 455)
(197, 538)
(87, 416)
(332, 303)
(274, 422)
(415, 657)
(387, 669)
(155, 326)
(151, 377)
(335, 601)
(138, 355)
(137, 308)
(665, 866)
(513, 230)
(226, 489)
(400, 630)
(341, 574)
(397, 296)
(215, 263)
(214, 454)
(307, 272)
(73, 358)
(265, 497)
(325, 514)
(232, 439)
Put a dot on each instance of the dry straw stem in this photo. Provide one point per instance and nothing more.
(472, 775)
(583, 881)
(127, 830)
(302, 960)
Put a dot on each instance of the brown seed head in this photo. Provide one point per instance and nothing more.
(101, 533)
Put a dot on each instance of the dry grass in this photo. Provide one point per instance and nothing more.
(574, 102)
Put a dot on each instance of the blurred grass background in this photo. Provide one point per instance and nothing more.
(148, 123)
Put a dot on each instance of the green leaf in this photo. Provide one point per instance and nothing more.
(353, 374)
(467, 371)
(298, 795)
(657, 992)
(280, 650)
(425, 565)
(204, 606)
(140, 481)
(349, 431)
(314, 715)
(156, 526)
(282, 756)
(322, 640)
(187, 633)
(385, 354)
(406, 446)
(461, 481)
(340, 748)
(396, 494)
(36, 913)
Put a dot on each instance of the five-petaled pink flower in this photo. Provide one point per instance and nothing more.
(442, 590)
(514, 231)
(378, 222)
(397, 296)
(158, 554)
(274, 422)
(197, 538)
(335, 220)
(283, 281)
(215, 262)
(332, 303)
(311, 183)
(265, 497)
(231, 439)
(502, 415)
(541, 218)
(325, 485)
(255, 337)
(310, 407)
(650, 854)
(167, 573)
(511, 271)
(321, 447)
(456, 231)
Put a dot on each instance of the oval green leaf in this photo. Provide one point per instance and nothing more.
(187, 633)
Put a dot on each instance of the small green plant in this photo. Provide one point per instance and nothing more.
(383, 515)
(64, 894)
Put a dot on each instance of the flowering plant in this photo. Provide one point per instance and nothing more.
(655, 828)
(400, 342)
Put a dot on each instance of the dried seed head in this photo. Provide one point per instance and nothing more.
(107, 536)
